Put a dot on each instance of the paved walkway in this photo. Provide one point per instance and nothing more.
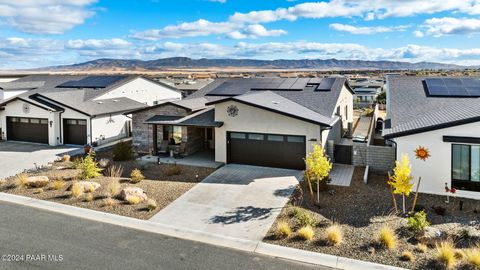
(201, 159)
(16, 157)
(363, 126)
(341, 175)
(236, 200)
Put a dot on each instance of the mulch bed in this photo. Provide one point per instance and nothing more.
(362, 210)
(158, 185)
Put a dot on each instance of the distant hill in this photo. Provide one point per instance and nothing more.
(186, 63)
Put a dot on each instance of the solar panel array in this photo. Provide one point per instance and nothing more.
(242, 86)
(92, 82)
(453, 87)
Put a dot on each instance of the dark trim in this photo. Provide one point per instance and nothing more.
(66, 106)
(157, 106)
(217, 124)
(467, 185)
(48, 104)
(29, 102)
(457, 139)
(434, 127)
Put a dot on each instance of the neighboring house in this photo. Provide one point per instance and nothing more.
(67, 109)
(187, 87)
(366, 92)
(443, 115)
(259, 121)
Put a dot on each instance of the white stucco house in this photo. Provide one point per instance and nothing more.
(443, 115)
(258, 121)
(67, 109)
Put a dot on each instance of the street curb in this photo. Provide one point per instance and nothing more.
(257, 247)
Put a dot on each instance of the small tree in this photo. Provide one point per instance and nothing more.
(401, 178)
(89, 167)
(318, 167)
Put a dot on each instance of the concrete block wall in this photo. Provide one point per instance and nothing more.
(379, 158)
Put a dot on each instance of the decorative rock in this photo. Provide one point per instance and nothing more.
(37, 181)
(103, 163)
(371, 250)
(133, 192)
(432, 236)
(88, 186)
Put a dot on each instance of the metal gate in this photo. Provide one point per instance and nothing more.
(343, 154)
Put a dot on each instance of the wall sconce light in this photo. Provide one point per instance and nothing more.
(51, 123)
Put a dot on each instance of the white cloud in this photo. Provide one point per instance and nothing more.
(115, 47)
(364, 30)
(255, 31)
(449, 26)
(44, 16)
(219, 1)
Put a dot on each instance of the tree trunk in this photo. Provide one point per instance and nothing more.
(416, 194)
(310, 188)
(403, 206)
(318, 191)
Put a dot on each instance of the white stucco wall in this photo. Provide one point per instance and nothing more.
(143, 91)
(10, 94)
(436, 171)
(345, 99)
(111, 128)
(253, 119)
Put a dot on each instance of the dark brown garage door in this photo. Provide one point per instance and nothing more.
(27, 129)
(75, 131)
(269, 150)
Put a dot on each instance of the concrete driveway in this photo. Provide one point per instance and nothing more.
(236, 200)
(15, 157)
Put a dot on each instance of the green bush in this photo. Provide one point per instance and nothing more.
(123, 151)
(304, 218)
(136, 176)
(418, 222)
(89, 167)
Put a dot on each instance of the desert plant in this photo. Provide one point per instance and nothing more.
(407, 256)
(136, 176)
(421, 248)
(134, 200)
(108, 202)
(114, 170)
(58, 184)
(65, 158)
(318, 167)
(418, 222)
(334, 235)
(387, 237)
(123, 151)
(472, 257)
(305, 218)
(306, 233)
(38, 191)
(445, 254)
(112, 188)
(21, 180)
(76, 190)
(401, 178)
(89, 197)
(283, 229)
(173, 170)
(89, 167)
(151, 204)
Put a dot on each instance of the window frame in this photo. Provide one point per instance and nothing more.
(467, 185)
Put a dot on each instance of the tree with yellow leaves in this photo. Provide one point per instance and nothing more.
(401, 180)
(318, 168)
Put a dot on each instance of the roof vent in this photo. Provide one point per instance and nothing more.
(275, 102)
(100, 102)
(115, 100)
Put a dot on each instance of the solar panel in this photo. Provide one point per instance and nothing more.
(326, 84)
(473, 91)
(451, 82)
(457, 91)
(92, 82)
(278, 84)
(230, 89)
(315, 81)
(453, 87)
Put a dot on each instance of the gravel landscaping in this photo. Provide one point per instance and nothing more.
(361, 210)
(159, 185)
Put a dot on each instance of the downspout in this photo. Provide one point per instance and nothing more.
(60, 124)
(91, 134)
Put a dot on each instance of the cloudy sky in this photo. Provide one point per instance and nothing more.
(35, 33)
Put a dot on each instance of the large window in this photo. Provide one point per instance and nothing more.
(172, 134)
(466, 166)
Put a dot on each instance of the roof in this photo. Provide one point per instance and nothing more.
(203, 118)
(19, 85)
(411, 111)
(80, 99)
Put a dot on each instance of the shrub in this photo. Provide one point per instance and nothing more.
(387, 237)
(58, 184)
(77, 190)
(306, 233)
(418, 222)
(136, 176)
(65, 158)
(151, 204)
(89, 197)
(407, 256)
(114, 171)
(421, 248)
(38, 191)
(134, 200)
(446, 254)
(334, 235)
(123, 151)
(21, 180)
(174, 170)
(472, 257)
(108, 202)
(305, 219)
(89, 167)
(283, 229)
(112, 188)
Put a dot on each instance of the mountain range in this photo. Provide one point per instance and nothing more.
(189, 63)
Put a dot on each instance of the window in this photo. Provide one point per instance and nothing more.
(35, 121)
(466, 166)
(275, 138)
(256, 137)
(236, 135)
(23, 120)
(295, 139)
(172, 134)
(82, 122)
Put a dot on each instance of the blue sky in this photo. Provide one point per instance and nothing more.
(35, 33)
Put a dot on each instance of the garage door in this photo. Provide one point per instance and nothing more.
(269, 150)
(27, 129)
(75, 131)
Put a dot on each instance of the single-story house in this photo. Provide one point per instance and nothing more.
(443, 115)
(78, 110)
(258, 121)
